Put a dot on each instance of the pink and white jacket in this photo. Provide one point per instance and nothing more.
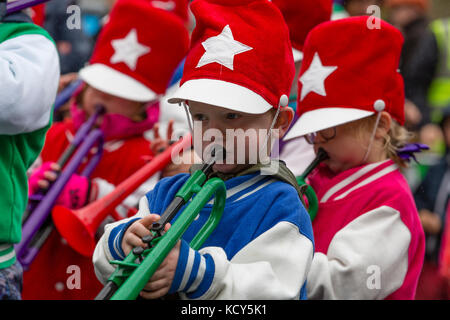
(368, 238)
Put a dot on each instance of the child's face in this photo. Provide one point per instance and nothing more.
(446, 130)
(242, 134)
(346, 150)
(359, 7)
(113, 104)
(401, 16)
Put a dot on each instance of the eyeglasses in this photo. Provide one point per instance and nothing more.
(326, 135)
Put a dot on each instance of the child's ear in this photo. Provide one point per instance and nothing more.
(384, 124)
(285, 117)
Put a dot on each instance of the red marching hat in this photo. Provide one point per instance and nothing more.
(38, 14)
(240, 57)
(301, 16)
(349, 72)
(137, 51)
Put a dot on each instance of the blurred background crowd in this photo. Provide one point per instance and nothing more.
(425, 66)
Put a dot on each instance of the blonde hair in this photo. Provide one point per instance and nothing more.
(396, 138)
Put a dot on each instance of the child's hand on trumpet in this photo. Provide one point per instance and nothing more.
(161, 280)
(75, 193)
(159, 144)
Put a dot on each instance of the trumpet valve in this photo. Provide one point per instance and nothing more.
(147, 239)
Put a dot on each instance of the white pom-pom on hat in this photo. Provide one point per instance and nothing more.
(284, 100)
(379, 105)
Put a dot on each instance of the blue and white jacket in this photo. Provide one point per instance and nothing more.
(261, 249)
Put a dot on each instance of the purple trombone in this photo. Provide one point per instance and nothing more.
(8, 7)
(38, 222)
(18, 5)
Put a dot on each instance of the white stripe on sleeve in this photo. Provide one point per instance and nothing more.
(376, 241)
(272, 266)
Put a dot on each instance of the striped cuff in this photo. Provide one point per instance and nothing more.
(7, 255)
(194, 273)
(115, 240)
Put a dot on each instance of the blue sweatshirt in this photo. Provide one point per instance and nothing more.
(261, 249)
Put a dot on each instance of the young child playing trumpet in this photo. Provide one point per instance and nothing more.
(237, 76)
(130, 69)
(369, 241)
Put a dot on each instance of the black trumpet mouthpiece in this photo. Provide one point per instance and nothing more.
(219, 152)
(216, 153)
(100, 109)
(322, 155)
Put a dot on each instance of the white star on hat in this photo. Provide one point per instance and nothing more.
(313, 79)
(222, 49)
(128, 50)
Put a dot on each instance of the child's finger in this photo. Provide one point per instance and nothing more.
(54, 166)
(139, 230)
(153, 295)
(133, 240)
(156, 131)
(167, 226)
(148, 220)
(43, 184)
(156, 293)
(170, 129)
(163, 271)
(155, 285)
(50, 175)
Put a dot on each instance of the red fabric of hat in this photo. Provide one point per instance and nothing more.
(178, 7)
(240, 57)
(38, 14)
(350, 71)
(303, 15)
(137, 51)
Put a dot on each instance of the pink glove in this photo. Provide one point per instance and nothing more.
(75, 193)
(36, 176)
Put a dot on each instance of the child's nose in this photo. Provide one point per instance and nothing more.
(216, 125)
(101, 95)
(319, 140)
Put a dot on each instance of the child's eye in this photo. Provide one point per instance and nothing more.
(232, 116)
(199, 117)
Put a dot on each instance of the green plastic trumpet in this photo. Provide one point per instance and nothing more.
(133, 273)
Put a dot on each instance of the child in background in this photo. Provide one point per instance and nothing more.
(170, 112)
(369, 241)
(339, 11)
(237, 75)
(432, 199)
(301, 16)
(356, 8)
(445, 253)
(128, 72)
(29, 71)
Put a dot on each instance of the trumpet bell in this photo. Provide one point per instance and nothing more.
(77, 228)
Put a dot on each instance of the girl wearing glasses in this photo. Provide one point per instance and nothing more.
(368, 239)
